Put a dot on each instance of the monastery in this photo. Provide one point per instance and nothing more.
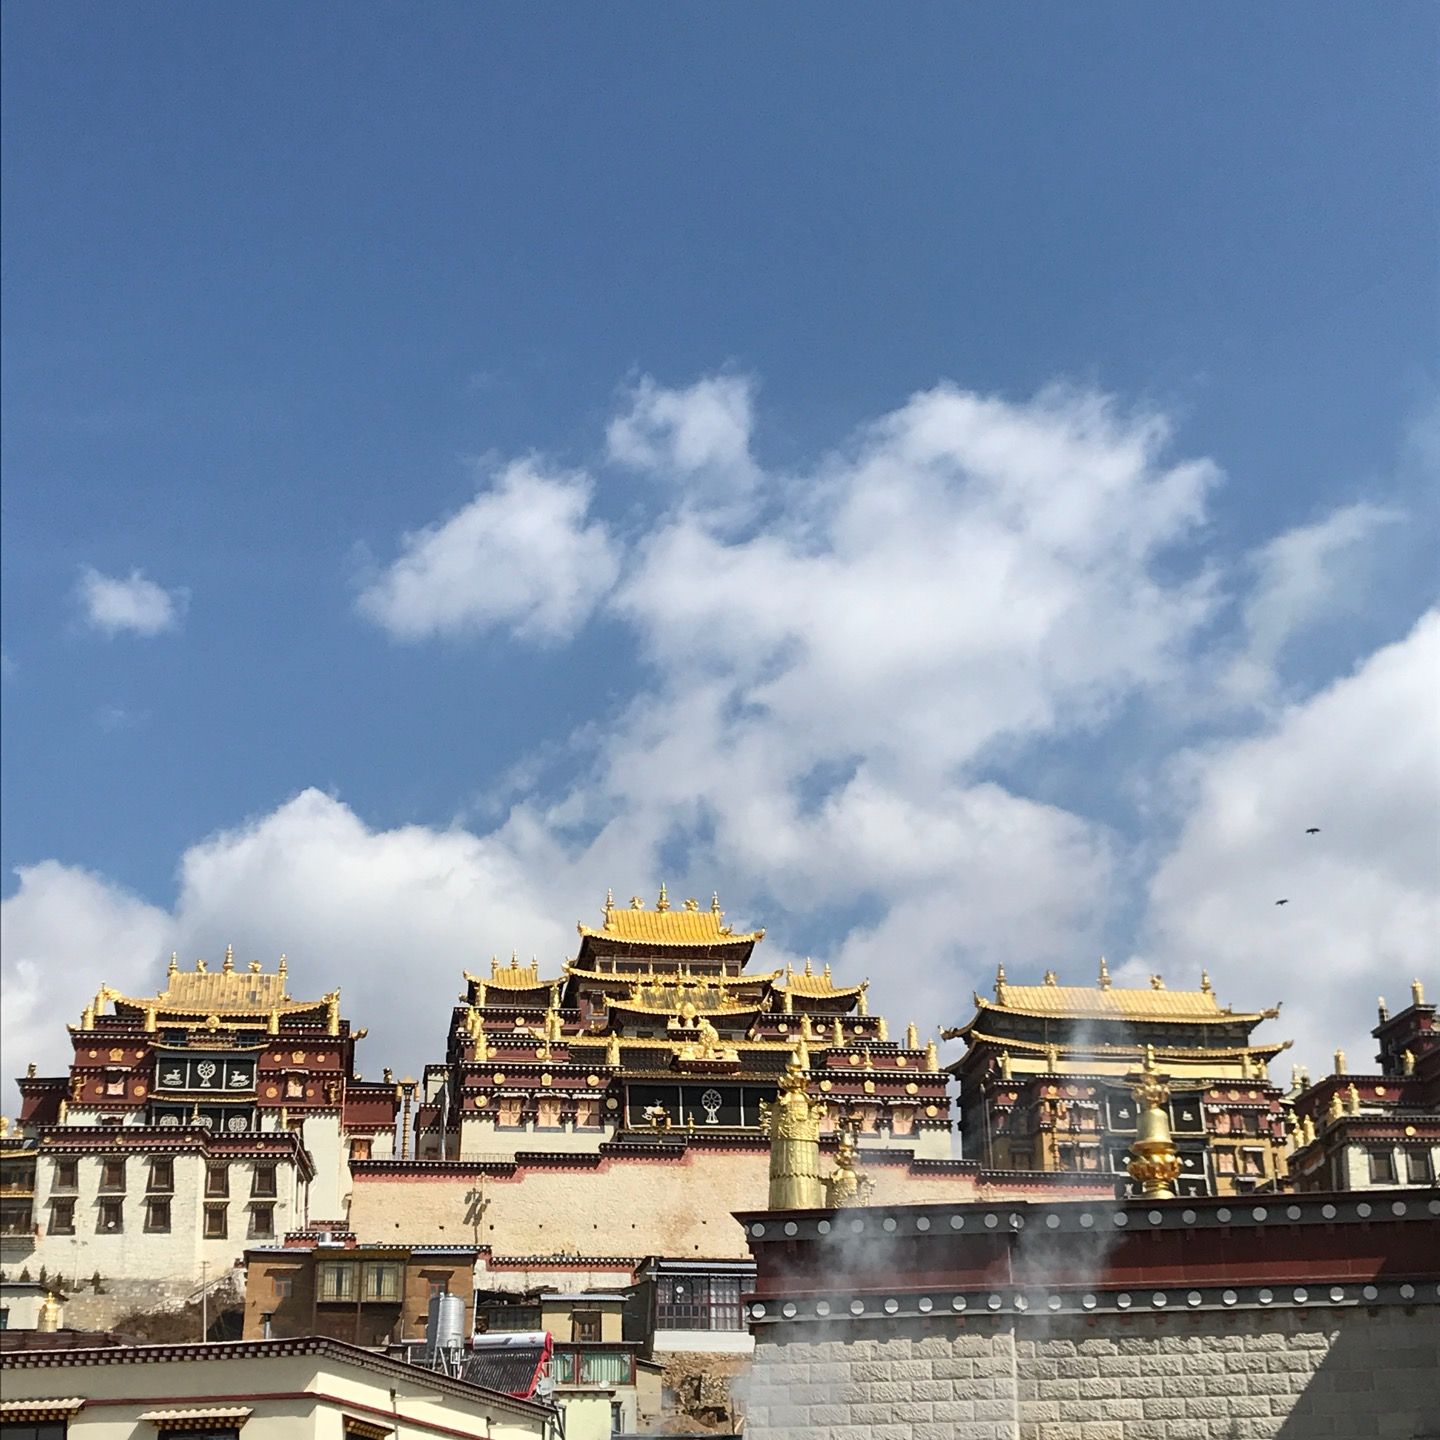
(1042, 1081)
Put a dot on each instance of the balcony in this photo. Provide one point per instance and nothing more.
(581, 1365)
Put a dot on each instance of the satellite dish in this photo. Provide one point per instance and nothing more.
(546, 1388)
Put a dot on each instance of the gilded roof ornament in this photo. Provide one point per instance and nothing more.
(663, 903)
(715, 903)
(636, 903)
(174, 963)
(862, 1004)
(1051, 978)
(932, 1056)
(1205, 987)
(1339, 1062)
(1104, 974)
(692, 905)
(1157, 982)
(201, 967)
(1000, 983)
(912, 1037)
(228, 968)
(1417, 992)
(809, 966)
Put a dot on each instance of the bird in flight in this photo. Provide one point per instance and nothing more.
(1282, 902)
(1313, 830)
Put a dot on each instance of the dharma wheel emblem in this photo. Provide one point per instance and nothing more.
(711, 1101)
(206, 1071)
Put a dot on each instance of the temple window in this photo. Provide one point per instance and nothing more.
(62, 1217)
(112, 1217)
(1382, 1167)
(360, 1149)
(1252, 1162)
(262, 1221)
(216, 1221)
(382, 1281)
(1419, 1169)
(1225, 1162)
(585, 1325)
(67, 1175)
(284, 1286)
(217, 1179)
(157, 1217)
(262, 1181)
(337, 1280)
(698, 1302)
(112, 1175)
(162, 1176)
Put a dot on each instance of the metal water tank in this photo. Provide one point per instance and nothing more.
(445, 1327)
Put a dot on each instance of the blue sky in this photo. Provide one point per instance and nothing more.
(990, 436)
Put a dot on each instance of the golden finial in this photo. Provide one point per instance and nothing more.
(1339, 1062)
(663, 903)
(838, 1033)
(826, 971)
(715, 903)
(609, 902)
(284, 967)
(1157, 982)
(150, 1019)
(174, 965)
(1154, 1163)
(912, 1037)
(1205, 987)
(932, 1056)
(228, 967)
(1000, 982)
(862, 1003)
(1104, 974)
(1417, 992)
(809, 967)
(1384, 1010)
(1006, 1065)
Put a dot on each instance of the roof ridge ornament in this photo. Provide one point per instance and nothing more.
(663, 903)
(1104, 974)
(1205, 986)
(1417, 992)
(228, 968)
(174, 966)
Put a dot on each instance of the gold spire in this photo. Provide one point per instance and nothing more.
(932, 1056)
(792, 1123)
(1384, 1010)
(609, 906)
(174, 965)
(912, 1037)
(1205, 986)
(228, 968)
(1000, 983)
(882, 1029)
(1154, 1164)
(1339, 1062)
(663, 903)
(1104, 974)
(838, 1037)
(715, 903)
(1417, 992)
(284, 968)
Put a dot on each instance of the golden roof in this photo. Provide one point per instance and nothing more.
(690, 925)
(1105, 1002)
(227, 991)
(813, 986)
(513, 976)
(1108, 1052)
(663, 977)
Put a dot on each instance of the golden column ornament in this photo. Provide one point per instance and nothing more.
(1154, 1163)
(793, 1125)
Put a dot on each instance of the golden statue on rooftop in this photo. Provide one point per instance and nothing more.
(1154, 1162)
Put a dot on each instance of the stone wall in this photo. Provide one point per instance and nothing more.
(1350, 1374)
(674, 1201)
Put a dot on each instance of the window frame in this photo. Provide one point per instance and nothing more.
(65, 1175)
(257, 1230)
(161, 1180)
(217, 1180)
(109, 1204)
(1381, 1161)
(153, 1205)
(111, 1166)
(213, 1212)
(57, 1203)
(1419, 1167)
(328, 1273)
(269, 1173)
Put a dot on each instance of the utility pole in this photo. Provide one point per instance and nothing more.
(204, 1300)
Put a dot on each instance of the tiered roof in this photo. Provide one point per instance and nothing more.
(230, 994)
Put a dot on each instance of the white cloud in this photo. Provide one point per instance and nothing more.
(520, 555)
(1300, 578)
(134, 605)
(1360, 761)
(697, 438)
(815, 727)
(63, 934)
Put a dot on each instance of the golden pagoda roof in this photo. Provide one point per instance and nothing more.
(227, 991)
(513, 976)
(1053, 1001)
(690, 925)
(628, 978)
(814, 987)
(1105, 1051)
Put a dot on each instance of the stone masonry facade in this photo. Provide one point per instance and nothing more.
(1323, 1374)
